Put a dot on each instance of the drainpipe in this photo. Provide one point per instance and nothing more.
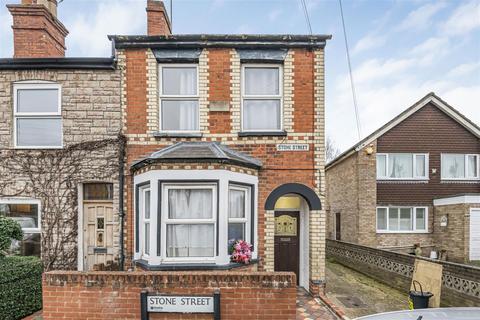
(121, 185)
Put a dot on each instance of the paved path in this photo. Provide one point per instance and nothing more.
(310, 309)
(358, 295)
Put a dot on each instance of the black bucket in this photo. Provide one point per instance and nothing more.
(419, 299)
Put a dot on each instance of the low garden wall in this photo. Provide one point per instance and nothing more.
(460, 283)
(116, 295)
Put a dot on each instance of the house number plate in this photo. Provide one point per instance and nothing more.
(184, 304)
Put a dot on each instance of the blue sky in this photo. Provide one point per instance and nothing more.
(400, 50)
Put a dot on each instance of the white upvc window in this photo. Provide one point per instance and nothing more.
(402, 219)
(189, 213)
(27, 213)
(37, 115)
(178, 98)
(262, 97)
(460, 166)
(402, 166)
(239, 212)
(145, 214)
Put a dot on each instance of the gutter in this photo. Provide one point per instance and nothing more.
(121, 209)
(58, 63)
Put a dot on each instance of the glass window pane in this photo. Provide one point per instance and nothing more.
(381, 166)
(29, 246)
(472, 166)
(25, 214)
(39, 132)
(147, 204)
(236, 231)
(181, 115)
(453, 166)
(420, 165)
(147, 238)
(420, 219)
(393, 219)
(236, 204)
(98, 191)
(382, 218)
(261, 114)
(190, 240)
(190, 203)
(262, 81)
(400, 165)
(179, 80)
(37, 100)
(406, 222)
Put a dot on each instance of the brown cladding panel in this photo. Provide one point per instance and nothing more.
(431, 131)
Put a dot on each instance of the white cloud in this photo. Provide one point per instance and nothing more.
(88, 33)
(6, 35)
(370, 41)
(274, 14)
(421, 17)
(464, 19)
(464, 70)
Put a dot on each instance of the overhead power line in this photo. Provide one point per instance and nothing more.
(352, 84)
(307, 17)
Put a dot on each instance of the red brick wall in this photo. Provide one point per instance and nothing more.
(303, 78)
(157, 19)
(136, 73)
(219, 88)
(116, 295)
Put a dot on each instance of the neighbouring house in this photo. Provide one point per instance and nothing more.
(225, 142)
(416, 180)
(60, 150)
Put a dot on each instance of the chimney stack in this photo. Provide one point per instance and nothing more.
(37, 32)
(158, 23)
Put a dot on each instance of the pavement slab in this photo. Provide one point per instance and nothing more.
(309, 308)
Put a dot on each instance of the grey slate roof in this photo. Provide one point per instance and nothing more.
(199, 152)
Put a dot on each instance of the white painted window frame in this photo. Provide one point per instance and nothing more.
(36, 85)
(167, 221)
(144, 221)
(262, 97)
(413, 216)
(248, 210)
(414, 168)
(27, 201)
(465, 155)
(162, 96)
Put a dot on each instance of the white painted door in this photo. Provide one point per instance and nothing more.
(475, 234)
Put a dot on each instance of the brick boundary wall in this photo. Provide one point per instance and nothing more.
(461, 283)
(116, 295)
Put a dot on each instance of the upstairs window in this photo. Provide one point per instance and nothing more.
(179, 111)
(402, 166)
(262, 98)
(37, 115)
(460, 166)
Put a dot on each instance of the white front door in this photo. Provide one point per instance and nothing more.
(475, 234)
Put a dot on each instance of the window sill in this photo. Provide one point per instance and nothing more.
(177, 134)
(403, 181)
(402, 232)
(262, 134)
(460, 180)
(190, 266)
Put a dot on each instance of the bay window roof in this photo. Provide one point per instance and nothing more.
(199, 152)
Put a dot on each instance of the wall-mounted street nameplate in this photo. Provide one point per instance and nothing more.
(293, 147)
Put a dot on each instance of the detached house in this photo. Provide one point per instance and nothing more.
(60, 150)
(225, 141)
(416, 180)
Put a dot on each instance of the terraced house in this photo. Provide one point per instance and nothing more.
(225, 141)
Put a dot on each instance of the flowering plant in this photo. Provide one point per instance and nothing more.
(241, 252)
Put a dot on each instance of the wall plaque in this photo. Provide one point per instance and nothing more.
(293, 147)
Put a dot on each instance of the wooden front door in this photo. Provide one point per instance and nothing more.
(287, 242)
(338, 226)
(98, 230)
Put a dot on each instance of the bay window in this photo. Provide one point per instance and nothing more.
(402, 166)
(27, 213)
(238, 212)
(460, 166)
(261, 98)
(402, 219)
(37, 115)
(179, 109)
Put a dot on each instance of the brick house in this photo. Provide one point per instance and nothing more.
(414, 180)
(225, 141)
(60, 148)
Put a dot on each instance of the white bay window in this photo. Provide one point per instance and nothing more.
(239, 207)
(460, 166)
(402, 219)
(179, 98)
(402, 166)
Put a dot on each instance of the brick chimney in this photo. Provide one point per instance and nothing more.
(158, 23)
(37, 32)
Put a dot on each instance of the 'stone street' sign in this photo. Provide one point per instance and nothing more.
(183, 304)
(293, 147)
